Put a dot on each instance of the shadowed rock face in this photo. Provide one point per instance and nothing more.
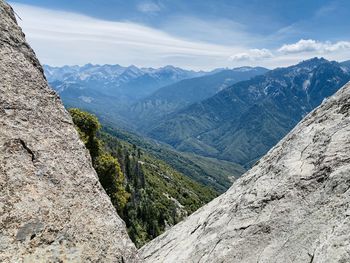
(293, 206)
(52, 207)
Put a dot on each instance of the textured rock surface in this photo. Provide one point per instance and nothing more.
(52, 207)
(293, 206)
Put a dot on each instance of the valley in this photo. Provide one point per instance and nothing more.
(231, 116)
(188, 142)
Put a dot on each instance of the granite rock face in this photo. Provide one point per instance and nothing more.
(52, 207)
(293, 206)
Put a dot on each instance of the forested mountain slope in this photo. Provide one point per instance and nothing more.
(148, 194)
(172, 98)
(242, 122)
(212, 172)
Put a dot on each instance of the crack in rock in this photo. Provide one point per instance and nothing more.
(24, 145)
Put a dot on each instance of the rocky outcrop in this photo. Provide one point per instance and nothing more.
(293, 206)
(52, 207)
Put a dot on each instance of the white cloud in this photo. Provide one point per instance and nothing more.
(341, 45)
(61, 38)
(148, 7)
(69, 38)
(218, 30)
(252, 54)
(310, 45)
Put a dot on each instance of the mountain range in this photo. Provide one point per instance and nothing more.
(243, 121)
(129, 82)
(176, 96)
(107, 89)
(235, 115)
(63, 180)
(124, 95)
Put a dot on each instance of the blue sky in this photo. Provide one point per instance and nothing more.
(197, 34)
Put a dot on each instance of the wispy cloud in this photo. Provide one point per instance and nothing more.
(68, 38)
(252, 55)
(310, 45)
(218, 30)
(327, 9)
(149, 7)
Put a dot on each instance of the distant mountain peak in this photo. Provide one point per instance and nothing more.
(133, 67)
(133, 70)
(313, 62)
(89, 65)
(244, 68)
(169, 67)
(249, 68)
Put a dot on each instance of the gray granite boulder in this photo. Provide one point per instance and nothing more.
(52, 207)
(293, 206)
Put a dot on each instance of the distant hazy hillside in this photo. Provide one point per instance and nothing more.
(346, 64)
(129, 83)
(117, 93)
(242, 122)
(109, 88)
(183, 93)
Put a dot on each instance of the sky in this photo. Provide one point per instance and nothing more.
(196, 34)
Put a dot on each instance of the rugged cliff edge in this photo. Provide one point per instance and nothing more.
(293, 206)
(52, 207)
